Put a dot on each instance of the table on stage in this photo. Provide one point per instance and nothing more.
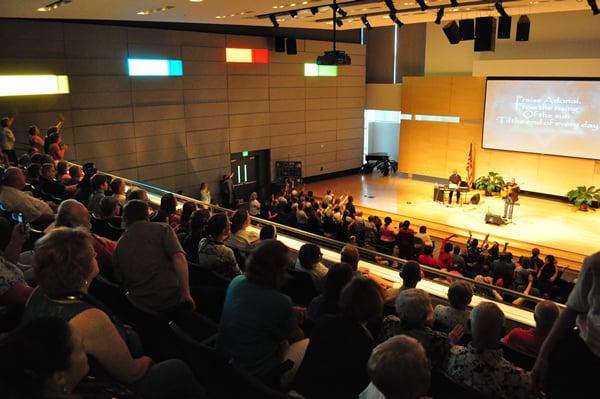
(440, 190)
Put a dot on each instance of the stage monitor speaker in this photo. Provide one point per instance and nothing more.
(504, 25)
(280, 44)
(290, 45)
(467, 29)
(485, 34)
(452, 32)
(523, 26)
(494, 219)
(475, 199)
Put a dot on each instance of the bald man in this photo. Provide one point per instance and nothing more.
(530, 340)
(481, 366)
(454, 179)
(18, 201)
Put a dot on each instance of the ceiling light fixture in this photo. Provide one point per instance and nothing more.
(500, 9)
(365, 21)
(54, 6)
(155, 10)
(273, 19)
(314, 10)
(454, 3)
(293, 14)
(422, 4)
(342, 12)
(339, 22)
(439, 16)
(594, 6)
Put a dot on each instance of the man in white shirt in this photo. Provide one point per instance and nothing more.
(18, 201)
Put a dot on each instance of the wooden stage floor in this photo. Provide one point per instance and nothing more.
(556, 228)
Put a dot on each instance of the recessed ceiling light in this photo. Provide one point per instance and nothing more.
(155, 10)
(54, 6)
(196, 1)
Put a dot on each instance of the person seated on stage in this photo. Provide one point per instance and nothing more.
(454, 179)
(445, 256)
(481, 366)
(460, 295)
(473, 248)
(530, 340)
(422, 234)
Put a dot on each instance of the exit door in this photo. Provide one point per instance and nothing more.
(245, 179)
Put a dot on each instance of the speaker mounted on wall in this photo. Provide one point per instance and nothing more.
(504, 25)
(467, 29)
(280, 44)
(485, 34)
(290, 45)
(452, 32)
(523, 26)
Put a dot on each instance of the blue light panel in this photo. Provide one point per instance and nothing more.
(154, 67)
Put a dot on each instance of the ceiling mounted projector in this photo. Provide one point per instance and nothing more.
(338, 57)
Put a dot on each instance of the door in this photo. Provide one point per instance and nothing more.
(245, 175)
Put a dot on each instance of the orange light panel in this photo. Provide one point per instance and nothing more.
(238, 55)
(260, 56)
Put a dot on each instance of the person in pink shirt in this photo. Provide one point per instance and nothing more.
(387, 234)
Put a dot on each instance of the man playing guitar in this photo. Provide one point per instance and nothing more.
(511, 198)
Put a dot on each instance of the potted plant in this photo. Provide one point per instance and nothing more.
(583, 196)
(492, 183)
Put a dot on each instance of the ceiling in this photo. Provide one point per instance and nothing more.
(245, 12)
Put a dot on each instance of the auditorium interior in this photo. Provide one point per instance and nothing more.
(299, 199)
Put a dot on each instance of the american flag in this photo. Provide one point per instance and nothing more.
(470, 168)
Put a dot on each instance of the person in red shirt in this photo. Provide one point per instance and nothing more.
(530, 340)
(427, 258)
(445, 256)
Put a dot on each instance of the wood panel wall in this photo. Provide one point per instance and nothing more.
(175, 132)
(435, 148)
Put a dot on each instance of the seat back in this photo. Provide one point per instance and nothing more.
(221, 376)
(209, 289)
(518, 358)
(105, 229)
(300, 287)
(444, 386)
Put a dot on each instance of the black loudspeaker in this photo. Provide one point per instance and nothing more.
(280, 44)
(475, 199)
(467, 29)
(523, 26)
(494, 219)
(452, 32)
(290, 45)
(485, 34)
(504, 25)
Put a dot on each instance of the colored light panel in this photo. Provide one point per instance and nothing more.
(154, 67)
(437, 118)
(30, 85)
(320, 70)
(247, 55)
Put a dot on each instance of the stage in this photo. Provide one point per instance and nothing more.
(555, 227)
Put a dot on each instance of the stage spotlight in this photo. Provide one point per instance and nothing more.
(422, 4)
(594, 6)
(365, 21)
(342, 12)
(500, 9)
(293, 14)
(390, 5)
(314, 10)
(454, 3)
(440, 15)
(273, 19)
(399, 23)
(339, 22)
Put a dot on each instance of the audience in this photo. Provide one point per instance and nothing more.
(14, 290)
(328, 302)
(411, 274)
(340, 345)
(480, 365)
(309, 261)
(43, 359)
(99, 183)
(13, 198)
(445, 318)
(445, 256)
(422, 234)
(399, 369)
(167, 212)
(213, 254)
(259, 327)
(48, 183)
(187, 209)
(240, 238)
(268, 232)
(117, 186)
(530, 340)
(197, 226)
(150, 263)
(205, 194)
(254, 205)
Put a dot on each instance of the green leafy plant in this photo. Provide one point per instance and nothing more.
(492, 183)
(583, 196)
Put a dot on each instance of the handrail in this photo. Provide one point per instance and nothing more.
(336, 243)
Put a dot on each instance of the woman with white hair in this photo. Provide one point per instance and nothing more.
(415, 318)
